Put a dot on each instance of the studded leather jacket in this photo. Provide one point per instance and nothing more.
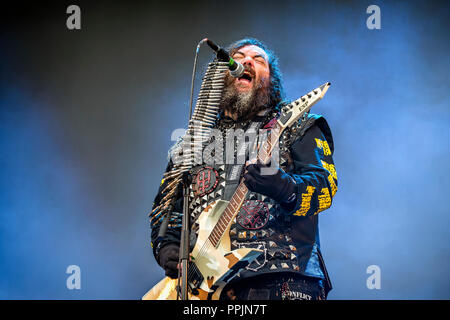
(289, 240)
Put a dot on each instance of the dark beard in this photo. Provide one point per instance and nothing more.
(244, 105)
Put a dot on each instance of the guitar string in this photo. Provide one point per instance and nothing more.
(267, 148)
(208, 243)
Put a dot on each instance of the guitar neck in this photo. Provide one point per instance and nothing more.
(238, 198)
(229, 213)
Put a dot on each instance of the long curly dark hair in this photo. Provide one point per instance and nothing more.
(276, 89)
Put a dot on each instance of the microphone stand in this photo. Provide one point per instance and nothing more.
(184, 242)
(182, 291)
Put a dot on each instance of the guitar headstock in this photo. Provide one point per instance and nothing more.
(294, 110)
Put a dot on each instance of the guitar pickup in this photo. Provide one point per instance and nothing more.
(195, 277)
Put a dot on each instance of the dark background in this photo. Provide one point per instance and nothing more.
(86, 118)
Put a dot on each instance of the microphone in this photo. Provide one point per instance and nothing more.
(236, 69)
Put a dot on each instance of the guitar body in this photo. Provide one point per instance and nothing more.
(214, 266)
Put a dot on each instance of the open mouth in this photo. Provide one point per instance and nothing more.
(246, 77)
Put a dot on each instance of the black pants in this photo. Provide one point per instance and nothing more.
(275, 286)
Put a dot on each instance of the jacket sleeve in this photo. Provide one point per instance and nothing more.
(314, 170)
(173, 233)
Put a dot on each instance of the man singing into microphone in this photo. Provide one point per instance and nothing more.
(281, 211)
